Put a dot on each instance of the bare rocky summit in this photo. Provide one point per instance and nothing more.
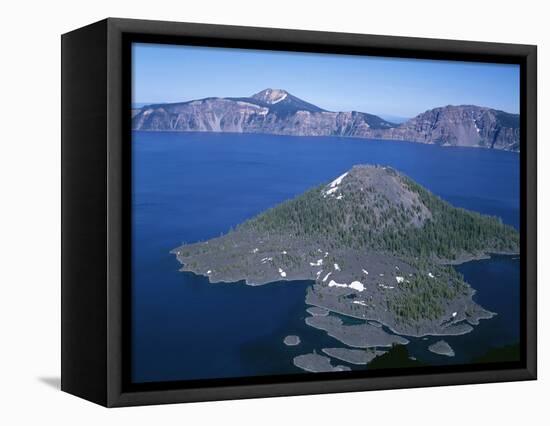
(275, 111)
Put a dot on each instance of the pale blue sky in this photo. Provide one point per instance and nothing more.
(382, 86)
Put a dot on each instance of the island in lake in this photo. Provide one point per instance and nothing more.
(378, 248)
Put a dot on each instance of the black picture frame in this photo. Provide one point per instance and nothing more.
(96, 230)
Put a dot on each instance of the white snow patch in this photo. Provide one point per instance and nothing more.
(283, 273)
(430, 275)
(339, 197)
(284, 252)
(319, 273)
(209, 272)
(336, 267)
(282, 98)
(389, 287)
(360, 302)
(399, 279)
(333, 283)
(334, 185)
(381, 275)
(248, 104)
(338, 180)
(356, 285)
(326, 276)
(318, 263)
(454, 314)
(255, 250)
(365, 271)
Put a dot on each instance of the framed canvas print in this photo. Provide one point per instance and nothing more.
(253, 212)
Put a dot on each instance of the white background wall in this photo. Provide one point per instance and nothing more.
(30, 200)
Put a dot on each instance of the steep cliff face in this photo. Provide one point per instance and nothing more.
(276, 111)
(269, 111)
(205, 115)
(464, 125)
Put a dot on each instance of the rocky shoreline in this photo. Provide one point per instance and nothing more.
(355, 336)
(442, 348)
(466, 257)
(292, 340)
(353, 356)
(315, 363)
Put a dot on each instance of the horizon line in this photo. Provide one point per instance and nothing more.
(143, 104)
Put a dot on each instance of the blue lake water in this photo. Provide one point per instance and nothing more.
(194, 186)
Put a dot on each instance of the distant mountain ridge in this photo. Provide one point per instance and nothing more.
(276, 111)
